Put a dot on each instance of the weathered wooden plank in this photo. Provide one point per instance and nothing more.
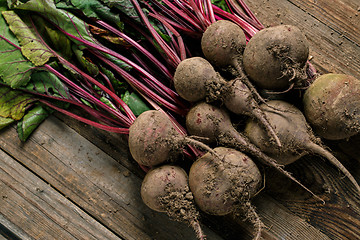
(38, 210)
(93, 180)
(330, 50)
(280, 223)
(3, 237)
(115, 145)
(343, 16)
(339, 218)
(10, 231)
(283, 224)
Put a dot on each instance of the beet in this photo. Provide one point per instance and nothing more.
(332, 106)
(295, 135)
(166, 189)
(195, 79)
(223, 43)
(225, 186)
(153, 139)
(214, 124)
(275, 58)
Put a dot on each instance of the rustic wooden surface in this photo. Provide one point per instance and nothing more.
(70, 181)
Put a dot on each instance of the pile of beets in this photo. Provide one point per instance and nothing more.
(248, 79)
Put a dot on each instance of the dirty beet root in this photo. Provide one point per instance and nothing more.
(295, 134)
(153, 139)
(223, 43)
(275, 58)
(166, 189)
(214, 124)
(226, 185)
(195, 79)
(332, 106)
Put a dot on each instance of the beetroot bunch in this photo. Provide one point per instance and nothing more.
(199, 158)
(224, 83)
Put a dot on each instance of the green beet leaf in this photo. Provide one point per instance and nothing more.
(53, 36)
(31, 121)
(90, 67)
(5, 122)
(31, 45)
(65, 20)
(15, 69)
(135, 103)
(125, 6)
(60, 17)
(91, 9)
(47, 83)
(13, 103)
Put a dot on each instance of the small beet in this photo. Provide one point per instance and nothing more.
(153, 139)
(275, 58)
(193, 78)
(332, 106)
(166, 189)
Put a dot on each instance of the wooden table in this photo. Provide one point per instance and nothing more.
(70, 181)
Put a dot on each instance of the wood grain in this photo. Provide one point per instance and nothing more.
(10, 231)
(38, 210)
(115, 145)
(339, 15)
(93, 180)
(283, 224)
(339, 218)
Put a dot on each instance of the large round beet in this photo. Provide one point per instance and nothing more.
(219, 186)
(275, 57)
(332, 106)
